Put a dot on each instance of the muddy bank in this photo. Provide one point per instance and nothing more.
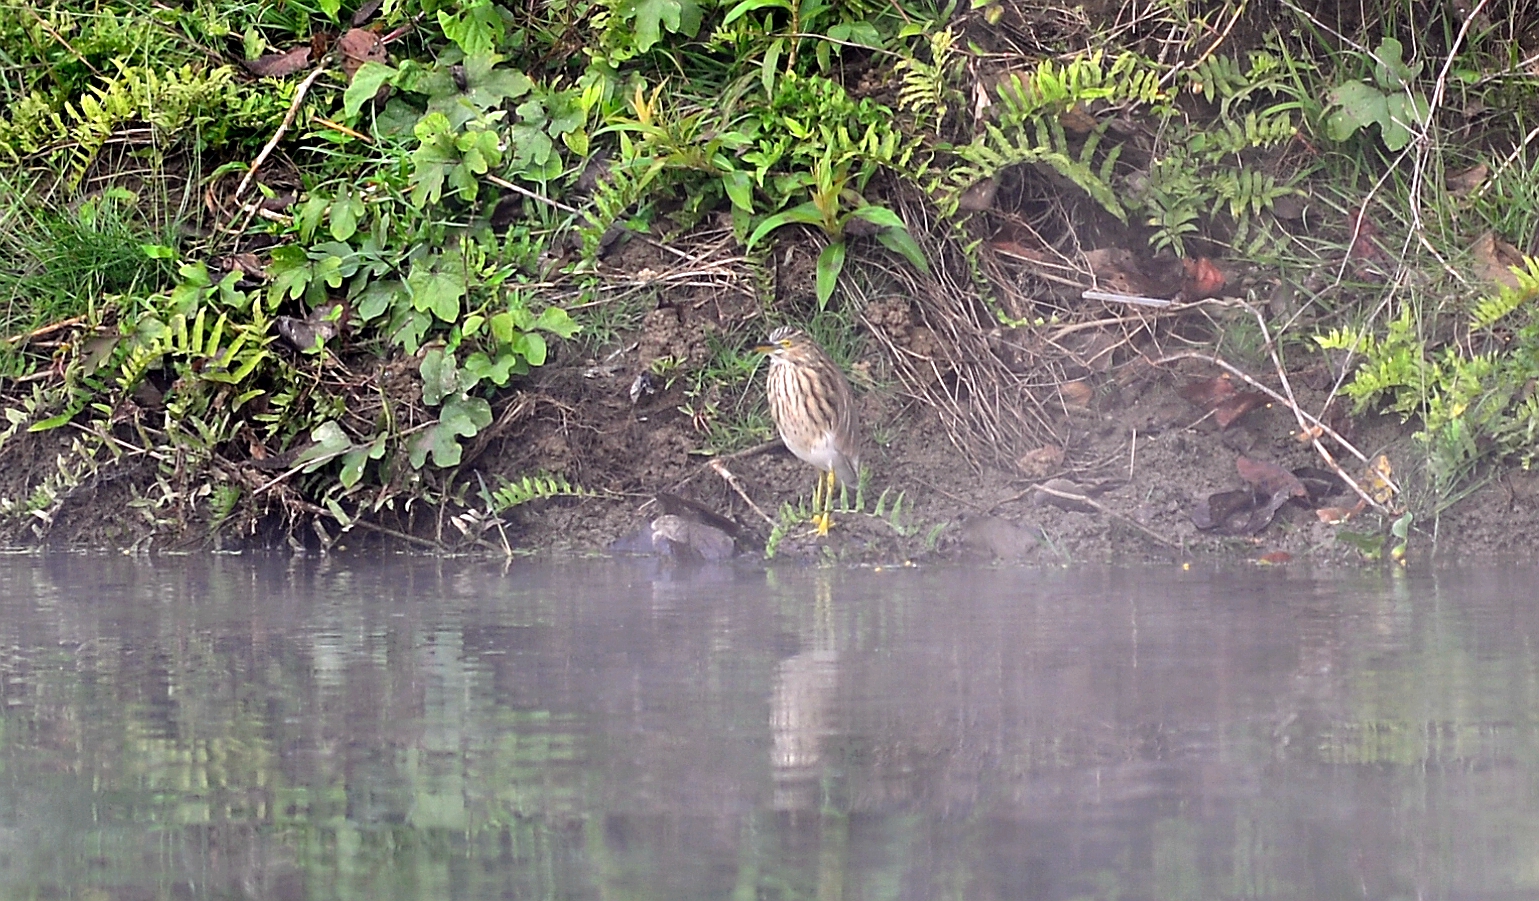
(1133, 457)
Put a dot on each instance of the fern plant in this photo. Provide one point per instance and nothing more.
(540, 486)
(1473, 404)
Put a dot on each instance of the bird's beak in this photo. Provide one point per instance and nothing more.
(764, 348)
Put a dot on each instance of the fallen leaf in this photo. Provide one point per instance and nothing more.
(1269, 478)
(1275, 558)
(359, 46)
(1365, 249)
(1461, 184)
(1077, 393)
(1076, 120)
(1379, 481)
(1208, 393)
(278, 65)
(1219, 396)
(1041, 462)
(1335, 515)
(1314, 432)
(979, 197)
(1494, 259)
(1116, 269)
(1203, 279)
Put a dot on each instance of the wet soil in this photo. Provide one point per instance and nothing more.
(1118, 431)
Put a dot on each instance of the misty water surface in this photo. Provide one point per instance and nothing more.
(405, 729)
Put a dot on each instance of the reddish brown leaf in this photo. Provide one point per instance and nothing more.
(1269, 478)
(1209, 393)
(1041, 462)
(1494, 259)
(1365, 233)
(1275, 558)
(278, 65)
(1231, 408)
(1334, 515)
(1077, 393)
(360, 46)
(1203, 279)
(1461, 184)
(1219, 396)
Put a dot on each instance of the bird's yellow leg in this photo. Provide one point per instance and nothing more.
(825, 513)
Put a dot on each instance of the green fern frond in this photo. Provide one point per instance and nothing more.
(531, 488)
(1508, 300)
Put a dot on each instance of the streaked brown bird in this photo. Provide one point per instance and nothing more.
(814, 410)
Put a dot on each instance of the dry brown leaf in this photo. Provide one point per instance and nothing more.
(1269, 478)
(1077, 393)
(1494, 259)
(279, 65)
(1219, 396)
(1203, 279)
(1041, 462)
(979, 197)
(1116, 269)
(359, 46)
(1461, 184)
(1275, 558)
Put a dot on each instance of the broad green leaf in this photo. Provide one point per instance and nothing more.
(739, 187)
(531, 346)
(900, 241)
(1388, 68)
(878, 215)
(440, 377)
(476, 27)
(328, 442)
(807, 214)
(356, 459)
(497, 370)
(1357, 105)
(346, 209)
(652, 16)
(748, 6)
(502, 328)
(377, 299)
(830, 263)
(435, 290)
(459, 418)
(465, 416)
(371, 76)
(557, 321)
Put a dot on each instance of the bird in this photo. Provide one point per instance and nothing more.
(814, 410)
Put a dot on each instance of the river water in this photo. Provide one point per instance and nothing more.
(415, 729)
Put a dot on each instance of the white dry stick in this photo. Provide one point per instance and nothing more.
(283, 127)
(720, 469)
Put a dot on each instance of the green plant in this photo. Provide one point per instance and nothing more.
(1389, 101)
(826, 211)
(1474, 405)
